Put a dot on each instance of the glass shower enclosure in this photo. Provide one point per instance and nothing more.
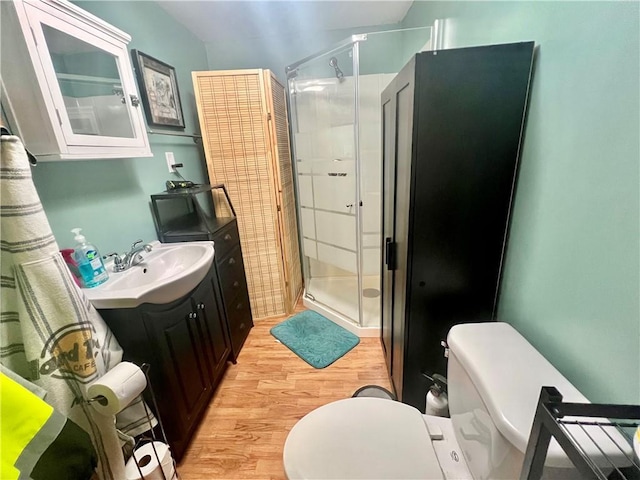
(334, 99)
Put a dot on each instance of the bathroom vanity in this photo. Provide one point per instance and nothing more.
(187, 335)
(191, 215)
(186, 343)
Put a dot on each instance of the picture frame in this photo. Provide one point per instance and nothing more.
(158, 91)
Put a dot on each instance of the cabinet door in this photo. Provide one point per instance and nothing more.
(388, 245)
(402, 212)
(89, 80)
(398, 124)
(214, 334)
(178, 343)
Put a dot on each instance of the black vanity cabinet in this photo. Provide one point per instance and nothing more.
(233, 285)
(187, 345)
(187, 215)
(452, 132)
(208, 310)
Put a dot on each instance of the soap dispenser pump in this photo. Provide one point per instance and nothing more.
(92, 270)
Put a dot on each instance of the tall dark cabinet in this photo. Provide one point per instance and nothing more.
(452, 131)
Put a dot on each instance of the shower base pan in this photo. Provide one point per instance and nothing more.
(336, 299)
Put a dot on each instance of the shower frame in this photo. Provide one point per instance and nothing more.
(353, 43)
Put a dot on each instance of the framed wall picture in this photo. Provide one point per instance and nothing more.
(159, 91)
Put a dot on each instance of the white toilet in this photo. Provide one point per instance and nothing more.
(494, 381)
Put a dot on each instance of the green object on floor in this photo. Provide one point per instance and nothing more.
(314, 338)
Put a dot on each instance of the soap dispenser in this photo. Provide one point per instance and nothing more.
(87, 257)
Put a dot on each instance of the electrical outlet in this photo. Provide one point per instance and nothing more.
(171, 161)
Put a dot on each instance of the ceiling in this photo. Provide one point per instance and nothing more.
(220, 20)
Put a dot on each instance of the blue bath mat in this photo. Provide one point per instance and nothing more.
(314, 338)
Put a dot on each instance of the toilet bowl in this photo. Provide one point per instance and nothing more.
(494, 376)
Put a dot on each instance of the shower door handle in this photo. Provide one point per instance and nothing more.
(389, 258)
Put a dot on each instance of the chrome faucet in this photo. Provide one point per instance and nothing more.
(131, 258)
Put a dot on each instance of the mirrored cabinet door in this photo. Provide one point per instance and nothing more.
(95, 101)
(91, 87)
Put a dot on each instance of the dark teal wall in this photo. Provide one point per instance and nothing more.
(109, 199)
(572, 272)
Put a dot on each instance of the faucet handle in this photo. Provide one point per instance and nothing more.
(118, 263)
(136, 243)
(116, 257)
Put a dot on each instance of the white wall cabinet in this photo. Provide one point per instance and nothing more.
(68, 86)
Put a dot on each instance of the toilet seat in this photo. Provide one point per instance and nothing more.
(361, 438)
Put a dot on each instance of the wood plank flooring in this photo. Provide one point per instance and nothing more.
(242, 434)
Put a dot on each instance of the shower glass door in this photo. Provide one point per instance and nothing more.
(323, 115)
(334, 100)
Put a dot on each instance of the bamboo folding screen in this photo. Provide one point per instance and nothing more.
(243, 119)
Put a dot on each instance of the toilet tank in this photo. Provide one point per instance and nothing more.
(494, 381)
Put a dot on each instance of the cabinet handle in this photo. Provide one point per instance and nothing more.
(200, 306)
(227, 237)
(389, 248)
(232, 261)
(242, 326)
(135, 101)
(236, 284)
(239, 306)
(192, 315)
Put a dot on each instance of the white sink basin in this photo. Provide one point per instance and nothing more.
(167, 273)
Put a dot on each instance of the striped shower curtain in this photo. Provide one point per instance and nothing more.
(49, 332)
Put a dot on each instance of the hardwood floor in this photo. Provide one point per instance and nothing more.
(242, 434)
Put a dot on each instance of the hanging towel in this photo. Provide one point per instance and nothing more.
(50, 334)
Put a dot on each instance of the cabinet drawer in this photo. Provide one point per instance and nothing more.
(239, 319)
(231, 274)
(226, 239)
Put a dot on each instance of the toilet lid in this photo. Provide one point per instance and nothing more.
(361, 438)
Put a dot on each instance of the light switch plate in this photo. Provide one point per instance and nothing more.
(171, 161)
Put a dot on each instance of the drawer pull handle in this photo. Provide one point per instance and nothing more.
(192, 315)
(201, 306)
(227, 237)
(236, 284)
(232, 261)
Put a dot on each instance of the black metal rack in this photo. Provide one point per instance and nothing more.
(189, 214)
(550, 421)
(152, 437)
